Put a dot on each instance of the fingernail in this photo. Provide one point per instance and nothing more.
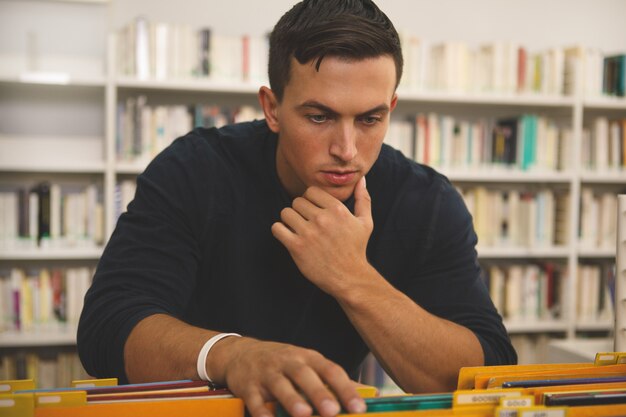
(329, 408)
(364, 181)
(357, 406)
(301, 409)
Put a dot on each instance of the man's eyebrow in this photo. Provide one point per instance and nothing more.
(319, 106)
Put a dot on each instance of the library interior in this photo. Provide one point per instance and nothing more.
(521, 105)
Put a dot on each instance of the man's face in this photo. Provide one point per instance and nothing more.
(331, 123)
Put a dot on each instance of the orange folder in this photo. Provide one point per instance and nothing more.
(468, 374)
(610, 410)
(189, 407)
(539, 392)
(590, 371)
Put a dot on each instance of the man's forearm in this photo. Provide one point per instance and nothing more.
(162, 348)
(421, 351)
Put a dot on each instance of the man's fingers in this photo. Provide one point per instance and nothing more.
(319, 197)
(305, 378)
(342, 386)
(283, 234)
(305, 208)
(292, 219)
(286, 230)
(283, 390)
(362, 201)
(256, 404)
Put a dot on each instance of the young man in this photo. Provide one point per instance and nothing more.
(269, 229)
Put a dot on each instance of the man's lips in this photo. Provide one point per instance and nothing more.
(339, 177)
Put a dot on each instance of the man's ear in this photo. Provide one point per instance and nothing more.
(394, 102)
(269, 103)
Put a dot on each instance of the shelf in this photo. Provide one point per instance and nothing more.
(54, 79)
(533, 326)
(596, 252)
(65, 337)
(69, 154)
(608, 103)
(594, 326)
(521, 253)
(191, 84)
(76, 167)
(89, 253)
(503, 175)
(133, 168)
(612, 177)
(208, 85)
(83, 1)
(488, 99)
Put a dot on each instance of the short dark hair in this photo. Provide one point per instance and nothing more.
(313, 29)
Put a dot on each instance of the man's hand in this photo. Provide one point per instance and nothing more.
(259, 371)
(324, 239)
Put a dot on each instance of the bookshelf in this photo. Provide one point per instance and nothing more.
(87, 154)
(53, 87)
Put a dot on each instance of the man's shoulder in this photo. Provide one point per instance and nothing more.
(406, 174)
(239, 135)
(410, 193)
(213, 153)
(228, 144)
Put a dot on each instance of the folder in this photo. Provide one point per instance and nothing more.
(188, 407)
(467, 375)
(60, 399)
(12, 385)
(12, 405)
(610, 358)
(496, 380)
(90, 383)
(465, 398)
(578, 398)
(539, 392)
(562, 380)
(613, 410)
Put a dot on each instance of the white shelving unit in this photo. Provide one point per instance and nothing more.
(111, 169)
(52, 128)
(95, 156)
(42, 338)
(52, 254)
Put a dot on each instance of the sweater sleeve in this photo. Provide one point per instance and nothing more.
(149, 265)
(450, 285)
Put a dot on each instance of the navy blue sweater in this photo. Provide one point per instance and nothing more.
(196, 244)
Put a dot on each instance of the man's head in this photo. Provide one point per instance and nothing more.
(315, 29)
(334, 70)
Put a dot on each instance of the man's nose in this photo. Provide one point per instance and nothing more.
(343, 146)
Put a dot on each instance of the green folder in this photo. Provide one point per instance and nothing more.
(396, 403)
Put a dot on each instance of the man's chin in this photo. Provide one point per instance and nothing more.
(341, 193)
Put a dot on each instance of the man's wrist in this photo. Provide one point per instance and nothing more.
(368, 282)
(209, 350)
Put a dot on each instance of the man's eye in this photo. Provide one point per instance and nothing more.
(370, 120)
(318, 118)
